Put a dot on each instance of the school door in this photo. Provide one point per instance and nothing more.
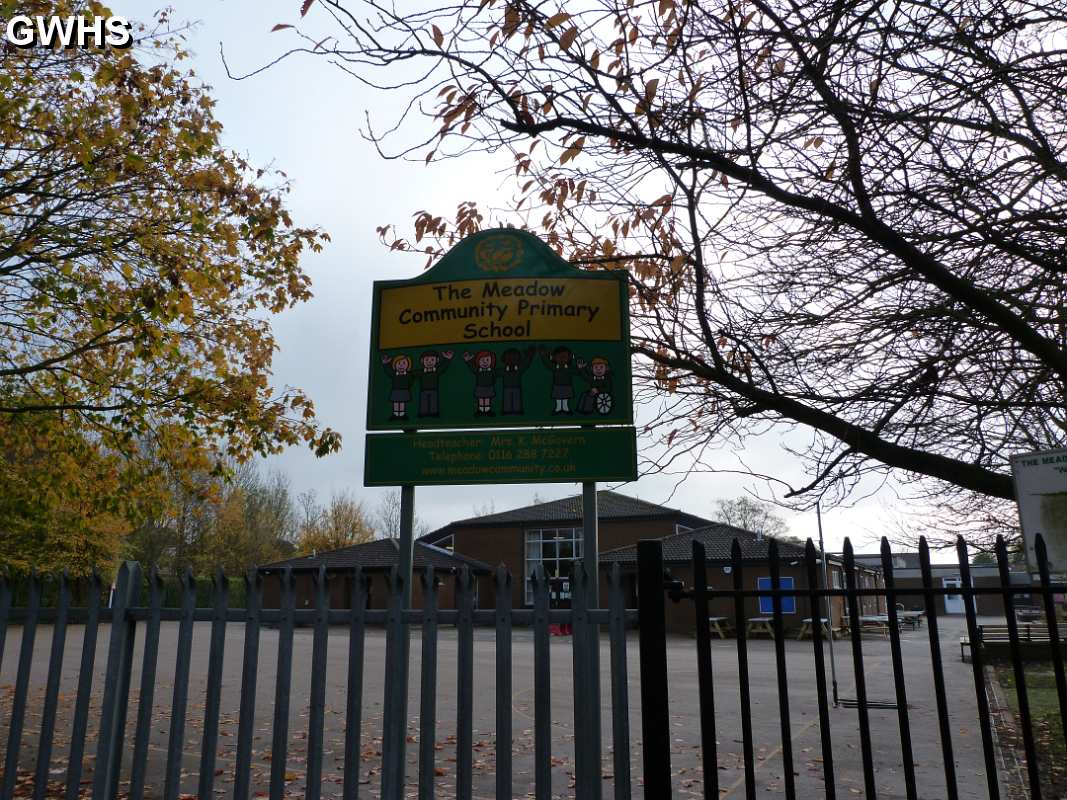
(953, 602)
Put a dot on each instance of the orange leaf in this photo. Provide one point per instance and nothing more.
(567, 39)
(650, 90)
(572, 151)
(305, 6)
(438, 37)
(279, 27)
(557, 19)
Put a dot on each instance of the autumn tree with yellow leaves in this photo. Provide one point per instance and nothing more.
(842, 220)
(140, 261)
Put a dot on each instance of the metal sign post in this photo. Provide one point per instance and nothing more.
(829, 606)
(501, 333)
(407, 538)
(590, 546)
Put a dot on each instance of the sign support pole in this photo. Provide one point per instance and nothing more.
(829, 602)
(407, 535)
(590, 546)
(396, 708)
(589, 764)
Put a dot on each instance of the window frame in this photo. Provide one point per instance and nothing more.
(789, 604)
(537, 535)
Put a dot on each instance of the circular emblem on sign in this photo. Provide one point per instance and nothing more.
(498, 253)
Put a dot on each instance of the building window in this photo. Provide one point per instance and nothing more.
(837, 579)
(555, 548)
(766, 604)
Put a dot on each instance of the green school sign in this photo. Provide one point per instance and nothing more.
(502, 332)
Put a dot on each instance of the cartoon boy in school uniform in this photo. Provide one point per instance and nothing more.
(433, 365)
(515, 363)
(598, 397)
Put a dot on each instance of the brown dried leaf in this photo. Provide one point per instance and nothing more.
(556, 20)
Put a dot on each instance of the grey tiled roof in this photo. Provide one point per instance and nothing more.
(717, 539)
(379, 554)
(610, 505)
(903, 560)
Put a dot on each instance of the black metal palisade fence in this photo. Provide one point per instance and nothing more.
(654, 676)
(138, 611)
(125, 616)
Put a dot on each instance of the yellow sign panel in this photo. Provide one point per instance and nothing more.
(500, 309)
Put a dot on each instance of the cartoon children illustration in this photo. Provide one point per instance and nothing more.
(598, 397)
(483, 365)
(515, 363)
(399, 369)
(429, 374)
(563, 369)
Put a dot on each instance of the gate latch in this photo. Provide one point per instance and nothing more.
(676, 589)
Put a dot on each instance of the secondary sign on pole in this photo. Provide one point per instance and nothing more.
(1041, 492)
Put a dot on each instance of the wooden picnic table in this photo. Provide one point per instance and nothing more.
(758, 625)
(719, 625)
(878, 623)
(912, 618)
(806, 628)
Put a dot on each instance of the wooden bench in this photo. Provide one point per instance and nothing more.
(1028, 613)
(994, 639)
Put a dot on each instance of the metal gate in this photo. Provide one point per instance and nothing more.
(657, 588)
(137, 611)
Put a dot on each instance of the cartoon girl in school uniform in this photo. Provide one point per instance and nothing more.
(561, 365)
(399, 369)
(483, 365)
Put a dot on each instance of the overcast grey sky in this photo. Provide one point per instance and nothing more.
(303, 116)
